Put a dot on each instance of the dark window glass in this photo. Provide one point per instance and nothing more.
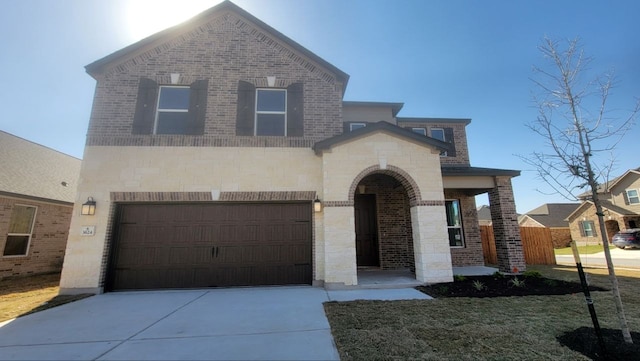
(271, 100)
(171, 123)
(174, 98)
(16, 246)
(270, 124)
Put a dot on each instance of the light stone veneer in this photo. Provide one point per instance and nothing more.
(342, 164)
(175, 169)
(236, 169)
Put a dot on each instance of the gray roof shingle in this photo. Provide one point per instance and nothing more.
(34, 170)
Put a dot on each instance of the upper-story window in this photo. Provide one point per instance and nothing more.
(354, 126)
(170, 109)
(439, 133)
(632, 196)
(173, 108)
(422, 131)
(271, 112)
(20, 230)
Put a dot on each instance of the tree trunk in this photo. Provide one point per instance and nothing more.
(626, 334)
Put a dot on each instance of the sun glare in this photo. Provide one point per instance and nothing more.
(146, 17)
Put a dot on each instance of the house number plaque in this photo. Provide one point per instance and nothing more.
(88, 230)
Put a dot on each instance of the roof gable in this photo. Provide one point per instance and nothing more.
(33, 170)
(157, 42)
(553, 214)
(384, 127)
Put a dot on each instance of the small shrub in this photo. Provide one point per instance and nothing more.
(516, 282)
(479, 286)
(532, 274)
(498, 274)
(459, 278)
(442, 289)
(550, 282)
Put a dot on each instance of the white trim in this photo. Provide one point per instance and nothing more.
(256, 112)
(30, 234)
(421, 131)
(637, 196)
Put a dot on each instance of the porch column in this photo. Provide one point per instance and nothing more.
(505, 227)
(340, 246)
(431, 244)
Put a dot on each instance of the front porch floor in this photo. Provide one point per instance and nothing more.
(376, 278)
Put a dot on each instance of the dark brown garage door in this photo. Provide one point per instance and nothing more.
(210, 245)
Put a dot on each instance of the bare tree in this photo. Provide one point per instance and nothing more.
(580, 134)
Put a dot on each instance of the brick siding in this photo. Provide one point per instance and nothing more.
(471, 253)
(225, 50)
(459, 139)
(394, 221)
(48, 240)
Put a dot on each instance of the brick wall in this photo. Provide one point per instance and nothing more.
(224, 50)
(459, 138)
(471, 253)
(48, 240)
(505, 227)
(394, 221)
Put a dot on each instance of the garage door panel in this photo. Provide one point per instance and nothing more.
(211, 245)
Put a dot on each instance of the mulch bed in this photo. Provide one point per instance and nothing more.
(503, 286)
(582, 340)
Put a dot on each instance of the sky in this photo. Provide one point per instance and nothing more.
(449, 59)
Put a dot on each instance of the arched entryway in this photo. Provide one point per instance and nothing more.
(383, 223)
(612, 227)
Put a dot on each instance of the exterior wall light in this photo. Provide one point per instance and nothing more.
(88, 207)
(317, 205)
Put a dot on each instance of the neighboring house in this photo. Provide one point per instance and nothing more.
(484, 215)
(37, 192)
(620, 199)
(221, 153)
(552, 216)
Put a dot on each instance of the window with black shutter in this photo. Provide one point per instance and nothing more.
(270, 111)
(170, 109)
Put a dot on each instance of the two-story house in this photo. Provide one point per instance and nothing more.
(221, 153)
(620, 200)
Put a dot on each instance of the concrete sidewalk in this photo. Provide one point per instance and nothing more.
(267, 323)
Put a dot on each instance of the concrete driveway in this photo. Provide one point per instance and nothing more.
(268, 323)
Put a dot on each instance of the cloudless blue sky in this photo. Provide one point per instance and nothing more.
(451, 59)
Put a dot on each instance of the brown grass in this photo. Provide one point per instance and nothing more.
(523, 328)
(23, 295)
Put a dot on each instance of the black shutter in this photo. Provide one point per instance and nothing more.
(448, 137)
(197, 107)
(583, 233)
(346, 127)
(145, 114)
(295, 110)
(245, 115)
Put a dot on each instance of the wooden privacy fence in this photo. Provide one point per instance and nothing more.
(536, 243)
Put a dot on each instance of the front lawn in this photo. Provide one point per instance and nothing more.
(20, 296)
(470, 328)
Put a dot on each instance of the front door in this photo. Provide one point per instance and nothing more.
(366, 230)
